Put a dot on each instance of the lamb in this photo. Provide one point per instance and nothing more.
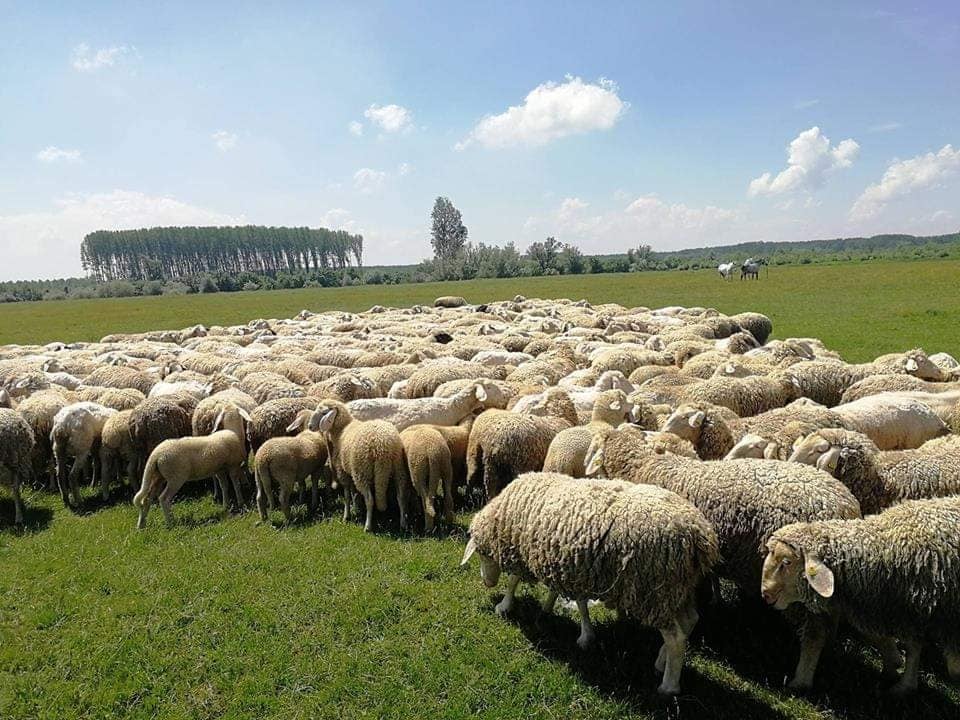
(568, 449)
(178, 461)
(891, 421)
(76, 433)
(16, 446)
(429, 410)
(504, 444)
(892, 576)
(881, 479)
(641, 549)
(363, 455)
(430, 466)
(288, 461)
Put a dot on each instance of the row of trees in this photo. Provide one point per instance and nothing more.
(175, 252)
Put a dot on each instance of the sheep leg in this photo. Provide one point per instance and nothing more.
(106, 467)
(368, 500)
(911, 669)
(673, 650)
(235, 475)
(347, 502)
(79, 466)
(952, 657)
(813, 637)
(503, 607)
(144, 509)
(587, 635)
(549, 602)
(448, 516)
(285, 500)
(166, 501)
(221, 482)
(314, 490)
(17, 500)
(889, 654)
(402, 501)
(261, 498)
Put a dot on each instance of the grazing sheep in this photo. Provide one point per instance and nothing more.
(876, 384)
(504, 444)
(76, 433)
(893, 576)
(204, 415)
(643, 550)
(272, 418)
(265, 386)
(153, 421)
(288, 461)
(425, 381)
(881, 479)
(449, 301)
(16, 445)
(431, 468)
(418, 411)
(184, 459)
(39, 410)
(364, 455)
(117, 454)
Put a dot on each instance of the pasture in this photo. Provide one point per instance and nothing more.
(225, 617)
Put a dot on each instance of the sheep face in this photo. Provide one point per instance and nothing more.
(685, 423)
(752, 446)
(919, 365)
(785, 567)
(489, 569)
(817, 451)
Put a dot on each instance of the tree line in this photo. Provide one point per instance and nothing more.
(174, 252)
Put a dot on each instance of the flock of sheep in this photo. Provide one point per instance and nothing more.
(623, 455)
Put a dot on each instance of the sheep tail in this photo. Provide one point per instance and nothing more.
(151, 481)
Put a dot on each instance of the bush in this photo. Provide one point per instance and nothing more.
(250, 286)
(176, 288)
(207, 285)
(116, 289)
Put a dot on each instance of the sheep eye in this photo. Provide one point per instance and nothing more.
(785, 562)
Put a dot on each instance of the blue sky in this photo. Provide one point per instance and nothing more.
(604, 124)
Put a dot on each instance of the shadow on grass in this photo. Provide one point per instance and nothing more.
(35, 518)
(740, 657)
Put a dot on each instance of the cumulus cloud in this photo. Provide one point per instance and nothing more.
(549, 112)
(86, 59)
(53, 154)
(390, 118)
(903, 177)
(47, 244)
(355, 128)
(224, 140)
(339, 219)
(810, 160)
(368, 180)
(647, 219)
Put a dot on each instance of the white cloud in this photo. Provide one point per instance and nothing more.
(368, 180)
(810, 160)
(53, 154)
(225, 141)
(47, 244)
(902, 177)
(390, 118)
(885, 127)
(551, 111)
(804, 104)
(647, 219)
(355, 128)
(338, 219)
(404, 169)
(85, 59)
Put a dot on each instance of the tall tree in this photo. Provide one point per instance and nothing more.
(544, 254)
(448, 234)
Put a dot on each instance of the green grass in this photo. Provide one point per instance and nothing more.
(860, 309)
(228, 618)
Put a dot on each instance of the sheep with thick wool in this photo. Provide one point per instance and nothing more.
(16, 446)
(430, 465)
(894, 576)
(76, 434)
(366, 456)
(641, 549)
(175, 462)
(881, 479)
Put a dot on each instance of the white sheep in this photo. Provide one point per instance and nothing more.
(420, 411)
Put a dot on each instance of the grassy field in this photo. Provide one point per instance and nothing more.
(225, 617)
(861, 309)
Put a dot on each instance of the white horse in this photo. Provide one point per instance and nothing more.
(726, 270)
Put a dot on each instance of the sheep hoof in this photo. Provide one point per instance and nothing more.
(502, 608)
(586, 641)
(668, 690)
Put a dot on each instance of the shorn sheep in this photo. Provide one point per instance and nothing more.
(641, 549)
(176, 462)
(894, 576)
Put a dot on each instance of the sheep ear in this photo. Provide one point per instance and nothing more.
(730, 369)
(326, 422)
(218, 422)
(295, 425)
(594, 462)
(481, 393)
(615, 405)
(468, 552)
(828, 461)
(912, 365)
(819, 576)
(245, 415)
(771, 451)
(696, 420)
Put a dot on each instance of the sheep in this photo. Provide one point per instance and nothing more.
(16, 447)
(425, 381)
(116, 451)
(272, 418)
(430, 466)
(449, 301)
(893, 576)
(264, 386)
(760, 326)
(568, 449)
(197, 389)
(745, 396)
(641, 549)
(180, 460)
(204, 415)
(891, 421)
(363, 455)
(121, 376)
(881, 479)
(153, 421)
(39, 410)
(345, 387)
(504, 444)
(876, 384)
(288, 461)
(76, 433)
(418, 411)
(499, 392)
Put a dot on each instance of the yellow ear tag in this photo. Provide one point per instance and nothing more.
(812, 571)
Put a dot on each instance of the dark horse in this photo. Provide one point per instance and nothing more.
(751, 268)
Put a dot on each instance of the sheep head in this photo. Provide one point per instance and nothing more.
(489, 569)
(785, 567)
